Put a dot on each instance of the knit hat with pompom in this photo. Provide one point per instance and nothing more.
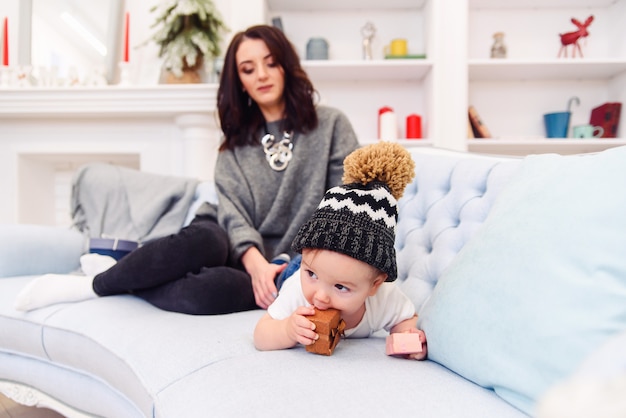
(359, 218)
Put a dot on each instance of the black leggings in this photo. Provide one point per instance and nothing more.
(186, 272)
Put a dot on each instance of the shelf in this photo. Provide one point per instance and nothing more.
(538, 4)
(318, 5)
(415, 143)
(375, 70)
(556, 69)
(406, 143)
(540, 146)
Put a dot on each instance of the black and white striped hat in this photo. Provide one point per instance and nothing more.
(356, 220)
(359, 218)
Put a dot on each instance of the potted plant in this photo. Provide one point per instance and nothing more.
(189, 36)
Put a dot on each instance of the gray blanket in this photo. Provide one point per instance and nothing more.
(118, 202)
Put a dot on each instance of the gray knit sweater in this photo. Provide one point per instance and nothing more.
(265, 208)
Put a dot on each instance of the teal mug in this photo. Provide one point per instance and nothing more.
(587, 131)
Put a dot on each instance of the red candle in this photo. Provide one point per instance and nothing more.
(5, 43)
(413, 126)
(126, 29)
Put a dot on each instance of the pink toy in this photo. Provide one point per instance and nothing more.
(571, 38)
(402, 343)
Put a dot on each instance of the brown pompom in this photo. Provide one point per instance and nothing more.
(387, 162)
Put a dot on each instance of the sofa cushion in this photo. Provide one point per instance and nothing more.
(542, 283)
(441, 209)
(141, 349)
(118, 356)
(19, 332)
(358, 380)
(37, 249)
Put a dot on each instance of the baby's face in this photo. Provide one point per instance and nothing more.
(334, 280)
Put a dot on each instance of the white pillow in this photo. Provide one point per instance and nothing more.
(542, 283)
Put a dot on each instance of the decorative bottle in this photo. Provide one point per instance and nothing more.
(498, 49)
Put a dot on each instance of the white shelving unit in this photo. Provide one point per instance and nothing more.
(360, 87)
(512, 94)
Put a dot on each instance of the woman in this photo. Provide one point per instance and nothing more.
(279, 155)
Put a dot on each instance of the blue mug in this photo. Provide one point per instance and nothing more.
(557, 124)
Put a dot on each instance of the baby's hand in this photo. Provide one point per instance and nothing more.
(421, 355)
(402, 344)
(300, 328)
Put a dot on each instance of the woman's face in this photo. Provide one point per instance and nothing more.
(262, 78)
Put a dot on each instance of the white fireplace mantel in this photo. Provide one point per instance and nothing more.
(167, 129)
(108, 101)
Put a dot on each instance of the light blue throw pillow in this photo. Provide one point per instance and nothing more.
(542, 283)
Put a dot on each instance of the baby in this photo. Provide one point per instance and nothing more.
(348, 257)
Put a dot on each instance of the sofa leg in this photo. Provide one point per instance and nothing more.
(28, 396)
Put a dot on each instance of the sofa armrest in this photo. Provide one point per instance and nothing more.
(35, 249)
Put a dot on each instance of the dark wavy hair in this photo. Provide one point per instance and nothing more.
(240, 121)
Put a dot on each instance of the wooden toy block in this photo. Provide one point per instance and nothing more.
(329, 326)
(403, 343)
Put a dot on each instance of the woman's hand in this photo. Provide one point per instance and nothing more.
(263, 274)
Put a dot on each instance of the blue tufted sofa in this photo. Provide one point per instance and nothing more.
(120, 357)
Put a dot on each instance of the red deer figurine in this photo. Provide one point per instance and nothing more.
(571, 38)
